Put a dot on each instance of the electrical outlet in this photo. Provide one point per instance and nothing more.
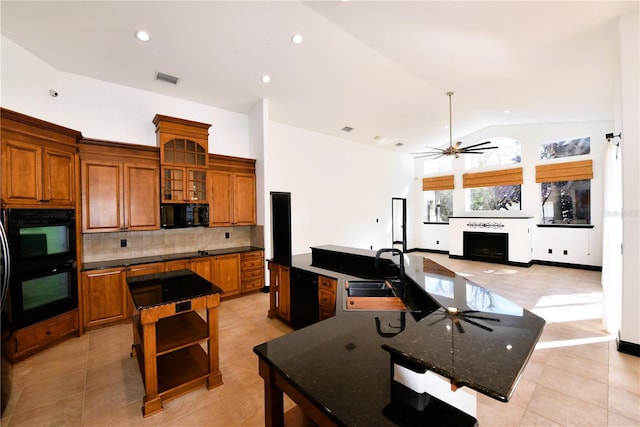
(566, 252)
(437, 242)
(123, 243)
(550, 251)
(226, 235)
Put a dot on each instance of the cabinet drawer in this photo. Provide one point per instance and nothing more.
(327, 284)
(45, 332)
(252, 263)
(326, 299)
(326, 313)
(252, 274)
(252, 255)
(252, 284)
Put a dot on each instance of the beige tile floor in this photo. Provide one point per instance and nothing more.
(575, 376)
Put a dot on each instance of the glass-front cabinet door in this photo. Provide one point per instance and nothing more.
(184, 159)
(186, 183)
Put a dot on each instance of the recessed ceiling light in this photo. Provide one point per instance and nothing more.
(143, 36)
(296, 39)
(265, 79)
(507, 111)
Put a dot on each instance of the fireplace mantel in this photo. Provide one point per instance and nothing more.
(518, 229)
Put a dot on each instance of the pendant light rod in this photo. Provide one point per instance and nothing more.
(450, 94)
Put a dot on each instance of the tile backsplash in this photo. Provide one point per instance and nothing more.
(107, 246)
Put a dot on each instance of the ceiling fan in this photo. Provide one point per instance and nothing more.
(454, 149)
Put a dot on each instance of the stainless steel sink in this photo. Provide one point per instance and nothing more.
(373, 295)
(369, 288)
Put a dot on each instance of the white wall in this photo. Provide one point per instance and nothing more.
(630, 151)
(339, 188)
(585, 245)
(104, 110)
(341, 191)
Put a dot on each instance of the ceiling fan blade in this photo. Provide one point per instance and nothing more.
(477, 145)
(478, 150)
(458, 325)
(431, 155)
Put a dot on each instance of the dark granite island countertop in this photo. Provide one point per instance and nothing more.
(340, 364)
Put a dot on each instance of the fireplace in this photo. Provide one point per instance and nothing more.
(489, 247)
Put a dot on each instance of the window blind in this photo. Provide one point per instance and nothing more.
(492, 178)
(569, 171)
(444, 182)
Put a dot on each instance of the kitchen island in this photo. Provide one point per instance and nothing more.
(168, 334)
(340, 371)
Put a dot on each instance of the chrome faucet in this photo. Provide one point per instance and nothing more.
(395, 252)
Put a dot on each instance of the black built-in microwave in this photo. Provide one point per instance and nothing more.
(184, 215)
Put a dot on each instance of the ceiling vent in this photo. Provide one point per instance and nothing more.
(166, 78)
(347, 129)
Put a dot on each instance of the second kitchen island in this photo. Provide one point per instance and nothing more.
(340, 371)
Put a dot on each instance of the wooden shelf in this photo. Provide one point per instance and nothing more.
(174, 333)
(181, 367)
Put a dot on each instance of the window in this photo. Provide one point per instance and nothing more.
(507, 153)
(493, 190)
(565, 148)
(496, 198)
(565, 192)
(439, 165)
(438, 205)
(566, 202)
(438, 198)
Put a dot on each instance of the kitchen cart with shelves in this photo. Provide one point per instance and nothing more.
(170, 336)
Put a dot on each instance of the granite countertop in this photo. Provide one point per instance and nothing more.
(167, 288)
(126, 262)
(343, 363)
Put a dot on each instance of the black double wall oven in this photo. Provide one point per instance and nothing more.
(44, 270)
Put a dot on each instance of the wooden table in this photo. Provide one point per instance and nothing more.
(168, 333)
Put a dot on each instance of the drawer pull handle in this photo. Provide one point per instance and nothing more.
(48, 332)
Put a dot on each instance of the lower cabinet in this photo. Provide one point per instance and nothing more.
(327, 296)
(252, 270)
(279, 289)
(34, 338)
(226, 273)
(105, 297)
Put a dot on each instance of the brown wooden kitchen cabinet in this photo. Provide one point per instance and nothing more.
(104, 297)
(184, 147)
(203, 266)
(105, 294)
(38, 162)
(327, 297)
(226, 273)
(232, 191)
(119, 187)
(32, 339)
(233, 198)
(252, 270)
(279, 289)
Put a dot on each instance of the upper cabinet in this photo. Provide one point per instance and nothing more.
(232, 191)
(119, 185)
(38, 162)
(183, 158)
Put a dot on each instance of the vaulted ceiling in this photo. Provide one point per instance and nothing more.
(382, 67)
